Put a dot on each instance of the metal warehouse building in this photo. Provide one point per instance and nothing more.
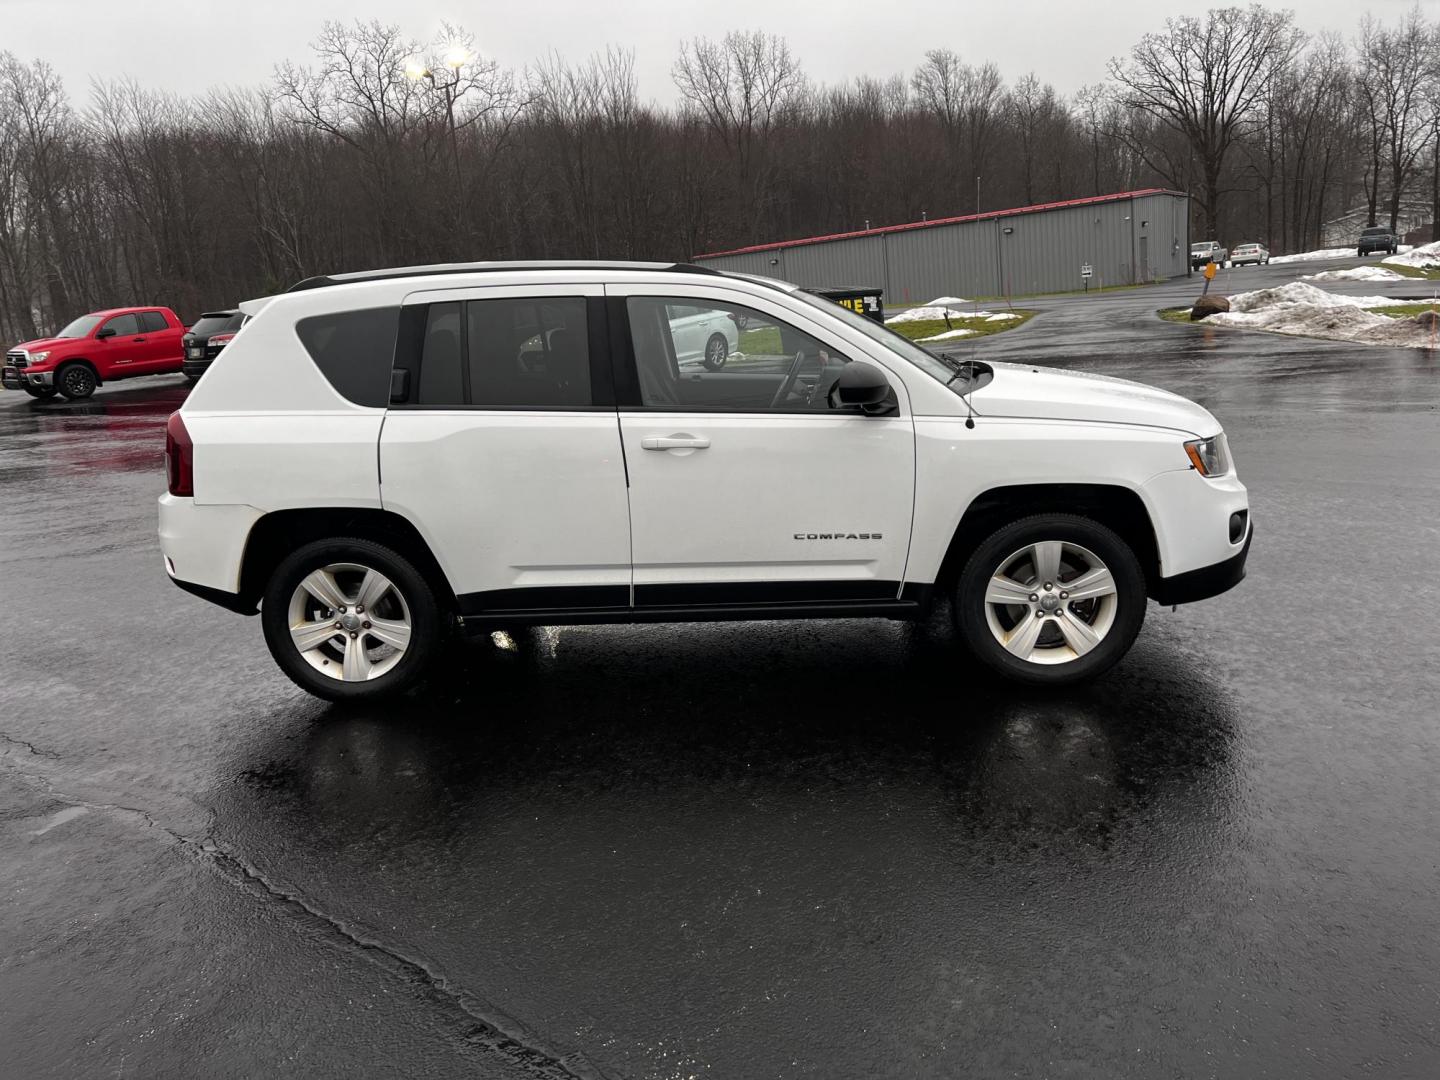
(1124, 239)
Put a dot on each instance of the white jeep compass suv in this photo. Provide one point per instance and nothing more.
(379, 459)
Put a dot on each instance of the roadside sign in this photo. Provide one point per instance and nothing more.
(1210, 269)
(1086, 270)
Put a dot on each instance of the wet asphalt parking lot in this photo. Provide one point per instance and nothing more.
(807, 849)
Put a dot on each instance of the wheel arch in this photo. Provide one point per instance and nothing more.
(94, 368)
(280, 532)
(1118, 508)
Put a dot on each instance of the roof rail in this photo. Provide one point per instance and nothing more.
(326, 280)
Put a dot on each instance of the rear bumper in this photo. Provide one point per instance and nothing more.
(204, 545)
(195, 368)
(1207, 581)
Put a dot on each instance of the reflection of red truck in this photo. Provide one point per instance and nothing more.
(100, 347)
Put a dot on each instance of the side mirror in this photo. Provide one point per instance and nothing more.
(106, 331)
(860, 384)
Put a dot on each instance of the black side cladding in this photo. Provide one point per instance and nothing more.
(355, 351)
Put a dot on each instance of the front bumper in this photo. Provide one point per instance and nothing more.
(1207, 581)
(13, 379)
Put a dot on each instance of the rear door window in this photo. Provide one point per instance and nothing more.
(152, 322)
(528, 352)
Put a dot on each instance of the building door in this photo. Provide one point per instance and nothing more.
(1144, 259)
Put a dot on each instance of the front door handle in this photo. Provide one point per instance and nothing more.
(679, 441)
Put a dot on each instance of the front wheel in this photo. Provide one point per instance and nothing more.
(717, 351)
(350, 620)
(1051, 599)
(76, 381)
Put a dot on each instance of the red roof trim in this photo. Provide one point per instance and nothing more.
(933, 222)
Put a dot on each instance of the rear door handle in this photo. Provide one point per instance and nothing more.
(679, 441)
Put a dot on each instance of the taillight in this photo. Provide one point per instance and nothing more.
(179, 457)
(219, 339)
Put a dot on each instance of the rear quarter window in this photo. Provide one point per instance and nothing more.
(354, 350)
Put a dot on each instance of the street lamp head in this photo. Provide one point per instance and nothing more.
(456, 57)
(415, 69)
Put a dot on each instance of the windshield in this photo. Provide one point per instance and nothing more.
(926, 361)
(1201, 247)
(81, 327)
(1380, 231)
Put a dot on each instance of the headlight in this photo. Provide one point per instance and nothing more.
(1211, 457)
(39, 357)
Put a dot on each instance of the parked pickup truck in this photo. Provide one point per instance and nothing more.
(1207, 252)
(100, 347)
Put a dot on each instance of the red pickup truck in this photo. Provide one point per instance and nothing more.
(96, 348)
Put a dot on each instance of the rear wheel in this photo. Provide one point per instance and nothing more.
(717, 351)
(1051, 599)
(350, 620)
(76, 381)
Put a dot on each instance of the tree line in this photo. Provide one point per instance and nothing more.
(381, 150)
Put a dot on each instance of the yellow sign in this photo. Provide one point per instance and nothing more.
(1210, 271)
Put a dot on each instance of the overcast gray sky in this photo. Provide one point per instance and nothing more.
(189, 45)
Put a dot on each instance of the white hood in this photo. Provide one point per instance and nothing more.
(1026, 392)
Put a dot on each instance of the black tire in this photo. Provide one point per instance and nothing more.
(717, 351)
(76, 381)
(996, 552)
(191, 380)
(43, 393)
(426, 618)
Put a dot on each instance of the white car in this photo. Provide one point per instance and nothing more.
(703, 336)
(1250, 254)
(380, 459)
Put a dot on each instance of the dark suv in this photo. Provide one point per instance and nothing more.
(1377, 238)
(203, 341)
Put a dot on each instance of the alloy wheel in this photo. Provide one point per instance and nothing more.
(1051, 602)
(349, 622)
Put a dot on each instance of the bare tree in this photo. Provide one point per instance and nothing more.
(966, 101)
(744, 87)
(1205, 78)
(1395, 67)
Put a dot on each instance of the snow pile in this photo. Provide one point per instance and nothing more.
(1427, 256)
(1306, 311)
(938, 308)
(1316, 256)
(1298, 294)
(999, 316)
(1356, 273)
(949, 334)
(924, 314)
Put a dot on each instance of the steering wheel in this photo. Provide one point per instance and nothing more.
(792, 376)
